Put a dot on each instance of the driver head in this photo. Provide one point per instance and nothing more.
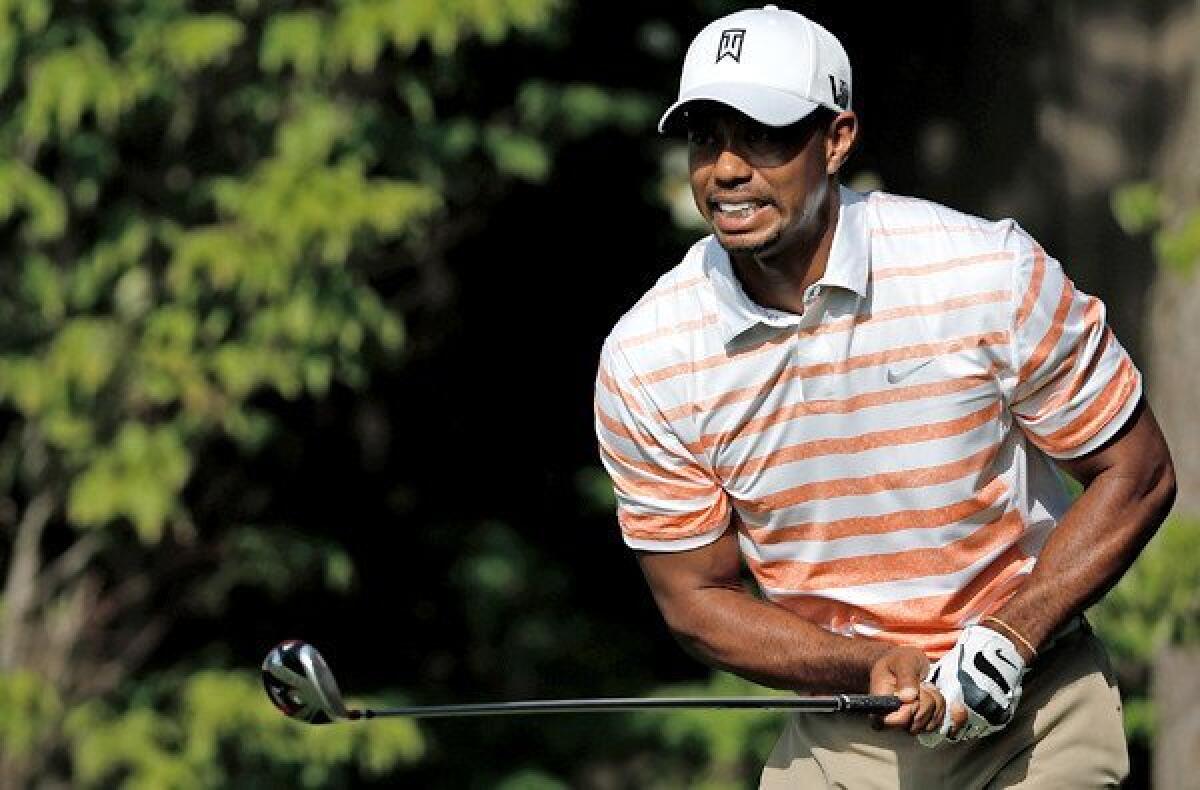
(299, 683)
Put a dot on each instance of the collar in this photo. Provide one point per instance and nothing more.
(847, 268)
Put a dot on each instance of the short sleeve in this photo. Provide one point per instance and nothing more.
(1075, 385)
(666, 498)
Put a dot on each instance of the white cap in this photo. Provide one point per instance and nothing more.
(774, 66)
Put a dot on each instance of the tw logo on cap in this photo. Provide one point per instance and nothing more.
(731, 44)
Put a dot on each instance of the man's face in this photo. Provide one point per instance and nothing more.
(763, 189)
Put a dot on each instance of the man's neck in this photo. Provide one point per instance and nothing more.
(780, 281)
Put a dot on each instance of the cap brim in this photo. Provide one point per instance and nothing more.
(762, 103)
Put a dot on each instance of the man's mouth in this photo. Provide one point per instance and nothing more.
(732, 216)
(742, 209)
(736, 207)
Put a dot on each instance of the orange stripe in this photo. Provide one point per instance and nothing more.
(1102, 409)
(1054, 332)
(933, 644)
(857, 444)
(685, 471)
(678, 329)
(983, 499)
(1082, 376)
(675, 526)
(1035, 286)
(907, 311)
(935, 228)
(716, 360)
(917, 351)
(640, 489)
(875, 568)
(940, 266)
(646, 442)
(618, 428)
(873, 484)
(614, 387)
(855, 403)
(930, 622)
(832, 327)
(660, 292)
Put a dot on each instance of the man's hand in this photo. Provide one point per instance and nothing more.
(981, 679)
(902, 671)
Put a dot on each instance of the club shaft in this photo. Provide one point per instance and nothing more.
(859, 703)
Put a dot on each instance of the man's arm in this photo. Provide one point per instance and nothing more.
(1129, 487)
(701, 597)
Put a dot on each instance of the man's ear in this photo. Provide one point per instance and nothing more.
(840, 140)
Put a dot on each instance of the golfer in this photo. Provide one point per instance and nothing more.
(870, 401)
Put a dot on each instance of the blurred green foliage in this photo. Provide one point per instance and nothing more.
(1139, 208)
(1157, 603)
(204, 209)
(1154, 606)
(706, 749)
(211, 729)
(192, 204)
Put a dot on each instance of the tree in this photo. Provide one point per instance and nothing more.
(195, 208)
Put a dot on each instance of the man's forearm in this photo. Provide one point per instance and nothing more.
(1093, 545)
(730, 629)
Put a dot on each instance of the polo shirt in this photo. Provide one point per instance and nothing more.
(885, 457)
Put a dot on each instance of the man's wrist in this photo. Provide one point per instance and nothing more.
(857, 656)
(1024, 646)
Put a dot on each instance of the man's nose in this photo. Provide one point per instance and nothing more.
(731, 167)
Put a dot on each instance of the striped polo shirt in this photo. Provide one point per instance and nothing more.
(886, 456)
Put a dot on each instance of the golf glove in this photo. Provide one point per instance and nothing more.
(982, 672)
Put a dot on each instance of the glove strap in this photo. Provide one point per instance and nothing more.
(1011, 632)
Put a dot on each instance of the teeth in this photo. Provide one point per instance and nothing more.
(735, 206)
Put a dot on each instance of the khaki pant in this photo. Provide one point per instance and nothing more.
(1067, 734)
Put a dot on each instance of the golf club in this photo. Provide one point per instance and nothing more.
(300, 684)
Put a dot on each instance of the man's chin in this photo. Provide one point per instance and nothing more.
(747, 244)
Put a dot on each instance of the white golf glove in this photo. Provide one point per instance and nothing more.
(982, 672)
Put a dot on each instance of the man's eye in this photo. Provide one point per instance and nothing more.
(700, 136)
(762, 135)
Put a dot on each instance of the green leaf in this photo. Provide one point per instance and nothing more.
(1179, 247)
(1157, 603)
(177, 740)
(1137, 207)
(138, 477)
(200, 40)
(25, 190)
(517, 154)
(65, 84)
(293, 40)
(30, 708)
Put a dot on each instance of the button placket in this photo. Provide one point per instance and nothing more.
(808, 350)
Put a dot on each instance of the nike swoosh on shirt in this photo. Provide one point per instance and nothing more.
(896, 375)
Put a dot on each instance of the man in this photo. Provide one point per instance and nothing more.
(867, 399)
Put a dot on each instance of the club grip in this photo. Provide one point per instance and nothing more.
(870, 703)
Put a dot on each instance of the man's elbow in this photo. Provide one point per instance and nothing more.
(1153, 495)
(1164, 489)
(695, 629)
(1158, 485)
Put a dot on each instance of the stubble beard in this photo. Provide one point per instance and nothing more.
(805, 233)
